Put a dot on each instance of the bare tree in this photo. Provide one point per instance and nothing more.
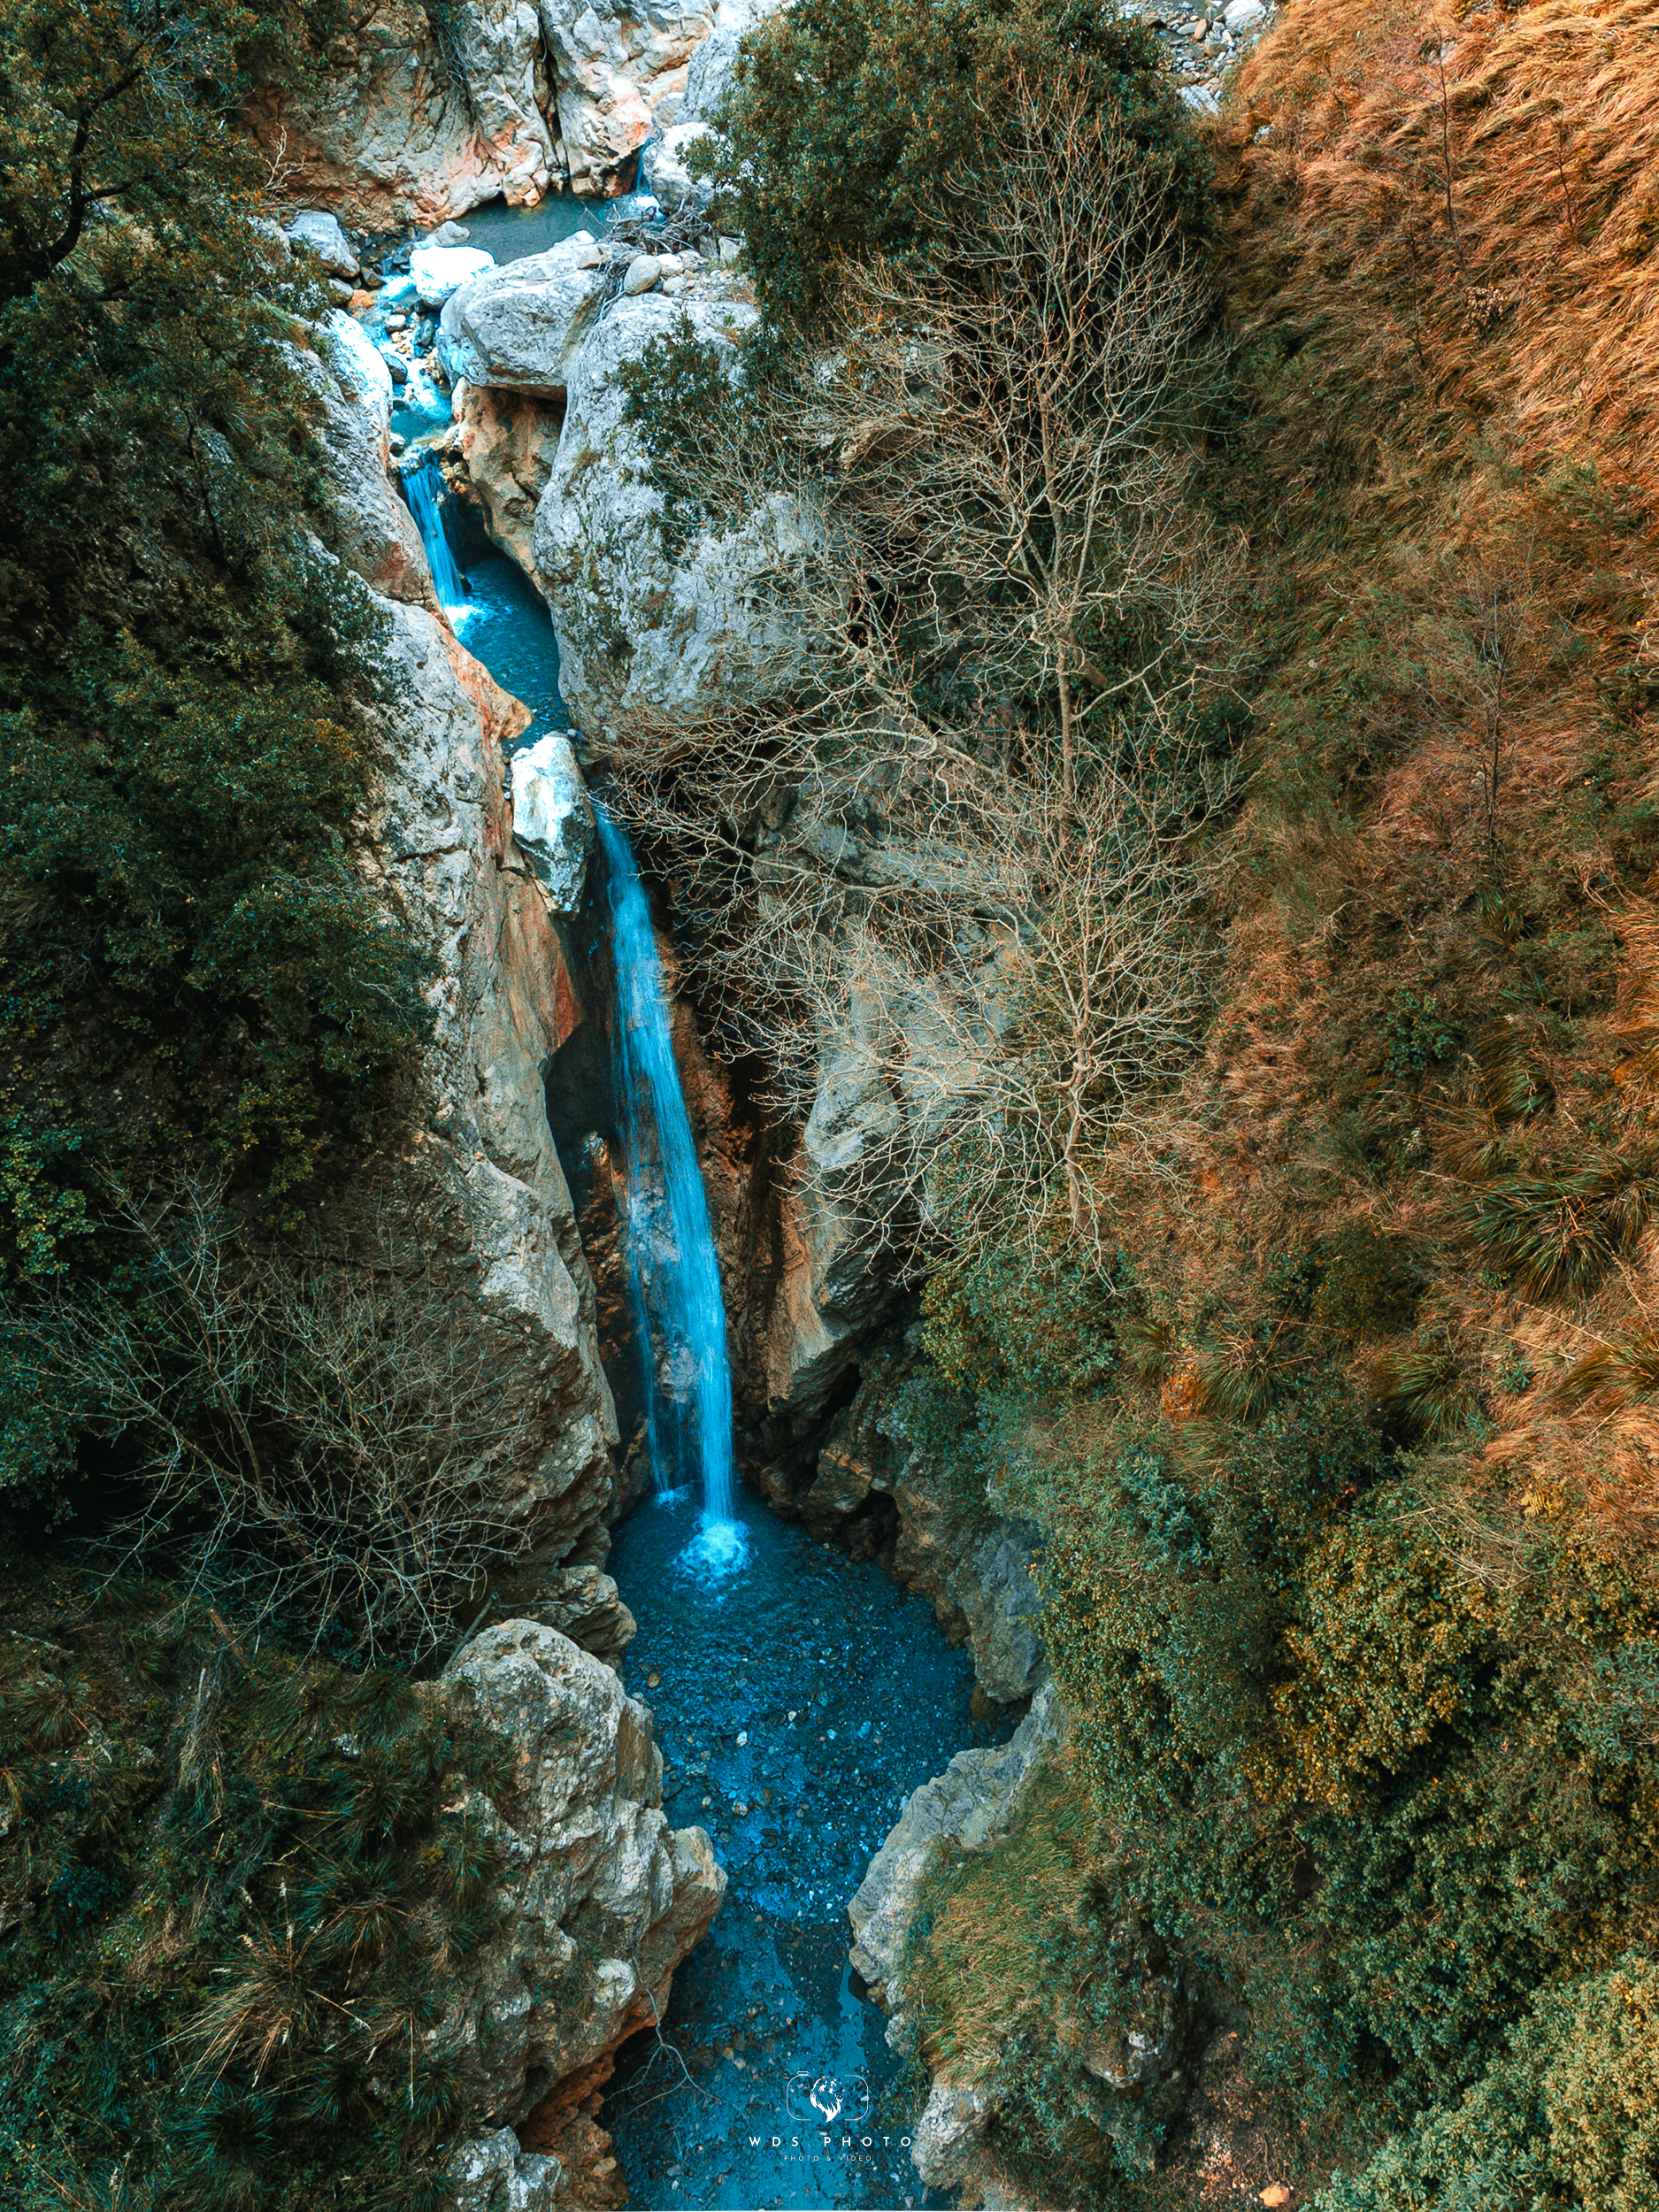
(327, 1442)
(959, 855)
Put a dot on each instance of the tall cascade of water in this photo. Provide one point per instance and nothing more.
(423, 489)
(674, 1268)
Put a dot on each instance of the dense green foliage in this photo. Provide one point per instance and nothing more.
(847, 113)
(239, 1894)
(192, 978)
(1386, 1807)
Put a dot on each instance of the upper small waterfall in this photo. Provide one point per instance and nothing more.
(423, 486)
(674, 1268)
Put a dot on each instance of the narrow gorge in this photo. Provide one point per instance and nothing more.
(829, 1107)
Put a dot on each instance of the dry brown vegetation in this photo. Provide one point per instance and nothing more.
(1437, 232)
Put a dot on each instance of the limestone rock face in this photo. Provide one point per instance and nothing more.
(640, 630)
(522, 326)
(423, 115)
(553, 819)
(715, 62)
(492, 2174)
(605, 1898)
(507, 443)
(375, 531)
(613, 67)
(436, 843)
(970, 1806)
(411, 126)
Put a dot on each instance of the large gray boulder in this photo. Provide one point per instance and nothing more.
(642, 632)
(521, 327)
(553, 819)
(605, 1899)
(316, 228)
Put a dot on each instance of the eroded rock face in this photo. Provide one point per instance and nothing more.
(423, 114)
(437, 843)
(507, 442)
(604, 1900)
(375, 531)
(642, 631)
(970, 1806)
(408, 127)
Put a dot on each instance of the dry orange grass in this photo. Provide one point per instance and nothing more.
(1493, 177)
(1442, 266)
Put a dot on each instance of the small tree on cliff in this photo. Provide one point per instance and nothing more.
(965, 852)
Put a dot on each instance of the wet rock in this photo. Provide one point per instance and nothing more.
(520, 328)
(969, 1807)
(438, 270)
(553, 819)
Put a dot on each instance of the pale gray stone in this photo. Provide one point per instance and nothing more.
(521, 327)
(553, 819)
(317, 228)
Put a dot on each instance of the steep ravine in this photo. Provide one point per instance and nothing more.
(800, 1703)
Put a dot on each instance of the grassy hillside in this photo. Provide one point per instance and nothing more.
(1348, 1470)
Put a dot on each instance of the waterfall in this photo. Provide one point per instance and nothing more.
(675, 1274)
(423, 488)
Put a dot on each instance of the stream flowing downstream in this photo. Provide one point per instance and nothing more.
(799, 1696)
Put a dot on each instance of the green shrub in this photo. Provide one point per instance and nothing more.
(1415, 1034)
(1566, 2117)
(847, 113)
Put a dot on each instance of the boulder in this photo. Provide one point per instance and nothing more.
(438, 270)
(644, 271)
(520, 328)
(583, 1604)
(320, 231)
(604, 1900)
(553, 819)
(642, 631)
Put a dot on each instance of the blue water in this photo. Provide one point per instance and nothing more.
(798, 1703)
(672, 1264)
(424, 488)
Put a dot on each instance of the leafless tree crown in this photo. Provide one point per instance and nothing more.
(951, 869)
(332, 1444)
